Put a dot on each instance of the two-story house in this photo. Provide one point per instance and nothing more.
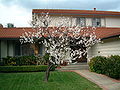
(92, 18)
(107, 25)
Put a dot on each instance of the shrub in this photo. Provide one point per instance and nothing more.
(1, 63)
(109, 66)
(8, 60)
(98, 64)
(27, 60)
(46, 57)
(32, 68)
(20, 60)
(113, 66)
(42, 60)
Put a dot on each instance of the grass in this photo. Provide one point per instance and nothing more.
(34, 81)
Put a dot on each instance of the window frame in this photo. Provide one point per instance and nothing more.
(81, 21)
(96, 22)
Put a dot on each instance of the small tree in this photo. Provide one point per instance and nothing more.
(60, 39)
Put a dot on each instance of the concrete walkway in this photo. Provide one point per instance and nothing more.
(103, 81)
(78, 66)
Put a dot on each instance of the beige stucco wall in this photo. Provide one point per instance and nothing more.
(56, 20)
(72, 21)
(88, 21)
(112, 22)
(105, 48)
(105, 22)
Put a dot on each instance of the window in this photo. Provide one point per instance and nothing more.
(81, 22)
(0, 49)
(26, 49)
(96, 22)
(17, 48)
(41, 49)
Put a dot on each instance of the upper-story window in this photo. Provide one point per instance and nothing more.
(81, 22)
(96, 22)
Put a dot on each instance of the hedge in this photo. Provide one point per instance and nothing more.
(24, 60)
(98, 64)
(113, 67)
(31, 68)
(20, 60)
(109, 66)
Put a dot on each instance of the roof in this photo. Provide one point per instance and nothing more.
(13, 32)
(87, 13)
(101, 32)
(104, 32)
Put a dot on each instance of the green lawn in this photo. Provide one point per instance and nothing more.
(34, 81)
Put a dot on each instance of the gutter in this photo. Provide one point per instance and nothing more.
(110, 37)
(80, 14)
(9, 38)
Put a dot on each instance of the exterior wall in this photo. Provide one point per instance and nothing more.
(41, 50)
(6, 48)
(103, 24)
(0, 49)
(10, 48)
(112, 22)
(3, 48)
(73, 21)
(88, 21)
(105, 21)
(105, 48)
(57, 19)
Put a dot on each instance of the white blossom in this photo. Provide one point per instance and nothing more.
(58, 40)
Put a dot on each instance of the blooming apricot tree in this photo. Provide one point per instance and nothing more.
(62, 42)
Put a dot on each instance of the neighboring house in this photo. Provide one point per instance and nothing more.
(107, 25)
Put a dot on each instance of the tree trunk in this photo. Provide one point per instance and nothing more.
(47, 74)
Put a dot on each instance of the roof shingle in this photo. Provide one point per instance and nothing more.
(90, 13)
(101, 32)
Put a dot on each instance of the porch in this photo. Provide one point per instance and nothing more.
(9, 47)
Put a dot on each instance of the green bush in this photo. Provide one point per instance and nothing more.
(20, 60)
(98, 64)
(8, 60)
(109, 66)
(113, 66)
(32, 68)
(43, 59)
(1, 63)
(46, 57)
(26, 60)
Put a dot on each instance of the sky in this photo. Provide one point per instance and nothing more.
(19, 12)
